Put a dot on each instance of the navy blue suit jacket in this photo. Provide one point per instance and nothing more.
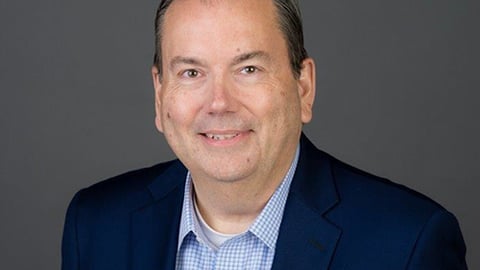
(336, 217)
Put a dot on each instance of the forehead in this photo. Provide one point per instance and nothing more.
(202, 21)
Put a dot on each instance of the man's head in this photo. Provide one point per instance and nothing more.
(227, 100)
(288, 19)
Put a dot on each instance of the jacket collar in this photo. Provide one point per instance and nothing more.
(155, 226)
(307, 239)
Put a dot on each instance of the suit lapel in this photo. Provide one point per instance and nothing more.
(307, 239)
(155, 225)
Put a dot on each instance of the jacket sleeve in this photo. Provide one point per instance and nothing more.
(440, 245)
(70, 254)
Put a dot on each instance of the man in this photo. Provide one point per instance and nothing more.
(233, 87)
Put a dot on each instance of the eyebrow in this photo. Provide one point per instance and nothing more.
(251, 55)
(177, 60)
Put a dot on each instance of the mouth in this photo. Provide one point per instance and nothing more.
(224, 138)
(220, 137)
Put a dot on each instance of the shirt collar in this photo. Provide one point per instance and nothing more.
(187, 221)
(267, 224)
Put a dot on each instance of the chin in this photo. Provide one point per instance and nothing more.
(228, 173)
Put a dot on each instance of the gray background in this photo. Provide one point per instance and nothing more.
(397, 95)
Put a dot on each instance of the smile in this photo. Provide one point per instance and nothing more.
(221, 137)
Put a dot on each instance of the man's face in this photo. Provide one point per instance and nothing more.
(228, 102)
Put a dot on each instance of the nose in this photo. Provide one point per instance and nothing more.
(221, 96)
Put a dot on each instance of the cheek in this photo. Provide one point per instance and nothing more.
(286, 111)
(273, 112)
(282, 99)
(179, 110)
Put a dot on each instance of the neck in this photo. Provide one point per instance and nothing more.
(231, 207)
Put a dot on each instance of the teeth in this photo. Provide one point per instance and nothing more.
(219, 137)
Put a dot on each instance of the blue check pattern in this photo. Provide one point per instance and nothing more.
(254, 249)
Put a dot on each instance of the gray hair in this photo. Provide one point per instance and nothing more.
(289, 20)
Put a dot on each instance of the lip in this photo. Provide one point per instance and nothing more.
(224, 138)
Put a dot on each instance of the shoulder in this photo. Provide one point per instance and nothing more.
(361, 188)
(396, 218)
(401, 225)
(124, 191)
(356, 188)
(361, 196)
(373, 206)
(98, 223)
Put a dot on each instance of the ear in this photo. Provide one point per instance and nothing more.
(306, 89)
(157, 85)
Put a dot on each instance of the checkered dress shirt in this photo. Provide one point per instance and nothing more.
(253, 249)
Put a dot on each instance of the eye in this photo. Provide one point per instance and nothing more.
(190, 73)
(249, 69)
